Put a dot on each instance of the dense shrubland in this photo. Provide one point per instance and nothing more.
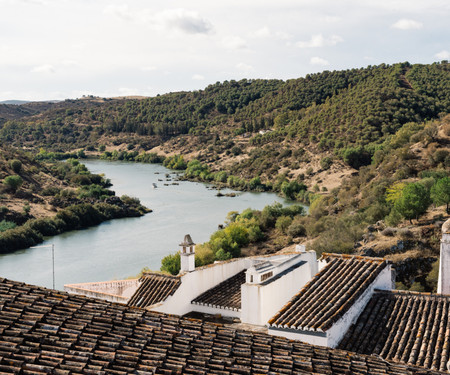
(241, 230)
(386, 125)
(54, 197)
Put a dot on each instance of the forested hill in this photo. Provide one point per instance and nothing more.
(332, 110)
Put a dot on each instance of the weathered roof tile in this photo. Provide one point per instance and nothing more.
(155, 287)
(413, 328)
(227, 294)
(327, 297)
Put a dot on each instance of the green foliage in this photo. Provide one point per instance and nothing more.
(296, 229)
(291, 189)
(16, 165)
(175, 162)
(357, 157)
(5, 225)
(171, 264)
(283, 223)
(326, 162)
(413, 201)
(13, 183)
(440, 192)
(203, 255)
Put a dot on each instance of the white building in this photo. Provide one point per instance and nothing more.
(285, 291)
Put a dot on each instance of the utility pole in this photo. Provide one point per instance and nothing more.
(53, 259)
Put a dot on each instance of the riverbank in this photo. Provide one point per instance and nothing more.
(40, 199)
(116, 249)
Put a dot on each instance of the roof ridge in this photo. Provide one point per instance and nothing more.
(353, 256)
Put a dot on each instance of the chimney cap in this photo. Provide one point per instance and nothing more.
(187, 241)
(446, 227)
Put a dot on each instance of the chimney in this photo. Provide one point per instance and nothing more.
(444, 262)
(187, 254)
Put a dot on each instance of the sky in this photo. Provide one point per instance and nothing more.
(58, 49)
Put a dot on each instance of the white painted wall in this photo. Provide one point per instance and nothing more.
(261, 302)
(113, 291)
(216, 311)
(444, 265)
(314, 338)
(195, 283)
(337, 331)
(187, 262)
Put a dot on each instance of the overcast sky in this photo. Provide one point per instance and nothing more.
(57, 49)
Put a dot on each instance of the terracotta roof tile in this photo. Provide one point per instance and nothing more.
(327, 297)
(79, 335)
(155, 287)
(227, 294)
(408, 327)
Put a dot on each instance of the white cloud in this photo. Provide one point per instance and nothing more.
(45, 68)
(127, 91)
(149, 68)
(234, 42)
(261, 33)
(121, 11)
(183, 20)
(283, 35)
(443, 55)
(244, 67)
(318, 61)
(198, 77)
(405, 24)
(319, 40)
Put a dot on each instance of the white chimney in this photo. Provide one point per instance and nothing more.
(187, 254)
(444, 265)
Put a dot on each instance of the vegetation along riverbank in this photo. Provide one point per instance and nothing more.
(367, 149)
(39, 199)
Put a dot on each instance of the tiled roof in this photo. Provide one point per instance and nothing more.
(410, 327)
(45, 331)
(225, 295)
(155, 288)
(329, 295)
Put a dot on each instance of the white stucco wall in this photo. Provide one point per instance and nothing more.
(195, 283)
(444, 265)
(314, 338)
(113, 291)
(216, 311)
(337, 331)
(260, 302)
(332, 337)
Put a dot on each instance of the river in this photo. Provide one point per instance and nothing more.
(120, 248)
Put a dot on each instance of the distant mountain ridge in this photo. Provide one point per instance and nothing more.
(15, 102)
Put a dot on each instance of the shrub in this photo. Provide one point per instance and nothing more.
(283, 223)
(171, 264)
(16, 165)
(388, 232)
(326, 163)
(296, 229)
(5, 225)
(13, 183)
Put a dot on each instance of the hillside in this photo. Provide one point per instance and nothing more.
(348, 143)
(330, 113)
(45, 198)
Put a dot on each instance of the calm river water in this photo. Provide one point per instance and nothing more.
(121, 248)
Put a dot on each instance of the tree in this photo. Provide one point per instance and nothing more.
(171, 263)
(440, 192)
(13, 183)
(283, 223)
(16, 165)
(413, 202)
